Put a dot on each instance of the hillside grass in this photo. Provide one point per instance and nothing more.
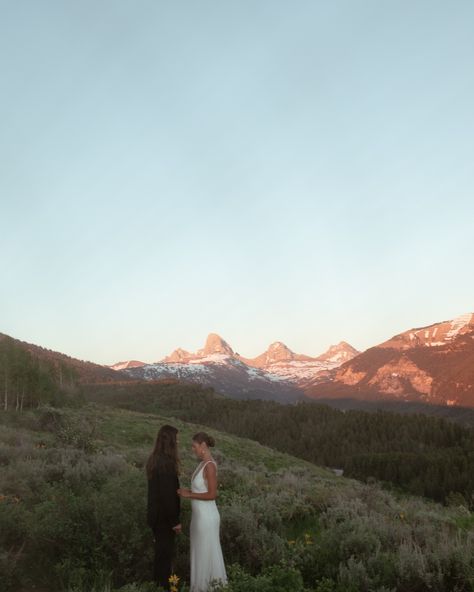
(73, 514)
(425, 456)
(128, 429)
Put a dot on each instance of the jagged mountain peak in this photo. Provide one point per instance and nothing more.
(277, 363)
(178, 355)
(339, 352)
(277, 353)
(278, 350)
(277, 345)
(215, 345)
(345, 345)
(342, 346)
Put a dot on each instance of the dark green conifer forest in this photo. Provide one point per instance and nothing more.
(424, 455)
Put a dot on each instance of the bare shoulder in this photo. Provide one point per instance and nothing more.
(210, 468)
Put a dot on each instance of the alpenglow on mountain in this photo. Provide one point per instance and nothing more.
(278, 373)
(432, 364)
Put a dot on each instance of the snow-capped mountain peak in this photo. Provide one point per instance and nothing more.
(276, 366)
(339, 353)
(300, 369)
(178, 355)
(279, 351)
(459, 324)
(438, 334)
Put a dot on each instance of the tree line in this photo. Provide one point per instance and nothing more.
(29, 381)
(424, 455)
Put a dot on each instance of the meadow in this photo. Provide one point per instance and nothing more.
(73, 514)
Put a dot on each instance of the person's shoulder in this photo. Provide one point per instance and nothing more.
(210, 467)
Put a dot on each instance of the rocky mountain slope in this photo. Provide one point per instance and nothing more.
(433, 364)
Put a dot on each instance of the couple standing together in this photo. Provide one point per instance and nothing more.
(164, 493)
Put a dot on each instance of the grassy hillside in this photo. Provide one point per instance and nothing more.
(72, 514)
(426, 456)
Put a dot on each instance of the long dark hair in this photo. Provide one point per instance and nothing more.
(165, 452)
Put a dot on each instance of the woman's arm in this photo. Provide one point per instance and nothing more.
(210, 474)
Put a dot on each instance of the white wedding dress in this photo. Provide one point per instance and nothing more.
(207, 562)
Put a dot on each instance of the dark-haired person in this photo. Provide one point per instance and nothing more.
(163, 508)
(207, 562)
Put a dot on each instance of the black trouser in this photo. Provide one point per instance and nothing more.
(164, 552)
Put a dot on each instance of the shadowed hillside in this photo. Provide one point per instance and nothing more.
(17, 357)
(421, 454)
(72, 514)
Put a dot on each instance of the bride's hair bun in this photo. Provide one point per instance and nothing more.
(203, 437)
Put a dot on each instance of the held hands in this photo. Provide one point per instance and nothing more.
(183, 492)
(178, 530)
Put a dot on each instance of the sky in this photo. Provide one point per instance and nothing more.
(265, 170)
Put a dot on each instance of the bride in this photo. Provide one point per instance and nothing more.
(207, 562)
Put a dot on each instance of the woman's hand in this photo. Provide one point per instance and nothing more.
(183, 492)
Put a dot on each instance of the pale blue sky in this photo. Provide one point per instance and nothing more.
(296, 171)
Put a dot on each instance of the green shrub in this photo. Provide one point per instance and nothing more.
(73, 518)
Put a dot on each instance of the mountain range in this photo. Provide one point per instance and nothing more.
(432, 364)
(278, 373)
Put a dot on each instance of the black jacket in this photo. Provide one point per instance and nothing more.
(164, 503)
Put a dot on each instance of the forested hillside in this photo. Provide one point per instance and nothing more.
(73, 514)
(31, 375)
(28, 380)
(424, 455)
